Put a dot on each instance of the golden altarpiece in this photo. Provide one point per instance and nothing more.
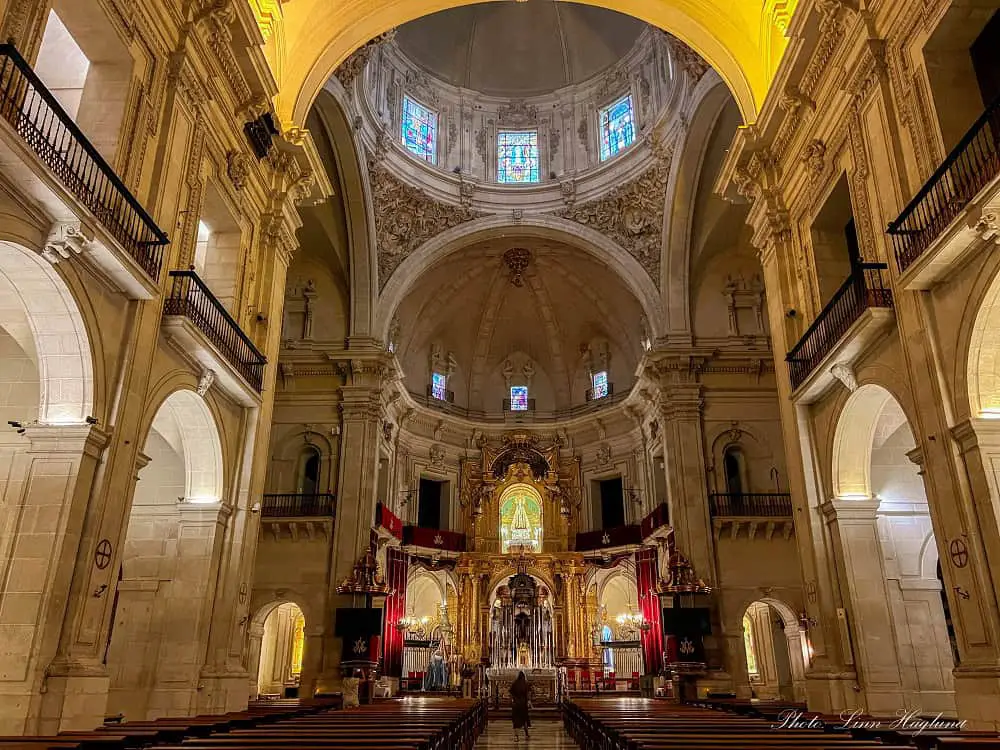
(523, 601)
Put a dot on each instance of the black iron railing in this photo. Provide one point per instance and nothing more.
(50, 132)
(865, 288)
(290, 506)
(970, 166)
(191, 298)
(750, 504)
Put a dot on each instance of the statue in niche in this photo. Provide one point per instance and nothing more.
(394, 331)
(528, 370)
(308, 295)
(437, 358)
(507, 370)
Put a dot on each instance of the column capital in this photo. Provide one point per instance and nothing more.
(67, 438)
(860, 509)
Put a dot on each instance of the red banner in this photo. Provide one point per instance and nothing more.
(657, 518)
(388, 520)
(614, 537)
(395, 608)
(450, 541)
(646, 574)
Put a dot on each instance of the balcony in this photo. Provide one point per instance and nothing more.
(205, 330)
(435, 539)
(858, 311)
(298, 517)
(617, 536)
(757, 514)
(96, 218)
(954, 210)
(297, 506)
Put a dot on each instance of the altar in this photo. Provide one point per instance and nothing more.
(541, 683)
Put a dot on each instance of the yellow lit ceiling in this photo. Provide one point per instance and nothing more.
(307, 39)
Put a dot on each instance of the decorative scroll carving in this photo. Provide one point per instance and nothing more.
(517, 114)
(517, 260)
(237, 168)
(688, 60)
(352, 67)
(843, 372)
(631, 215)
(405, 218)
(814, 157)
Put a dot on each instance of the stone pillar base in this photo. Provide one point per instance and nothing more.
(71, 702)
(977, 696)
(832, 692)
(222, 691)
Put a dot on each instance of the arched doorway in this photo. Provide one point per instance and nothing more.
(882, 521)
(619, 618)
(163, 602)
(774, 651)
(282, 650)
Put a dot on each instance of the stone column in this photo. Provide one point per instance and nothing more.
(858, 550)
(830, 681)
(361, 417)
(41, 526)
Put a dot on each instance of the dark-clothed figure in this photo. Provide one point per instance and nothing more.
(520, 693)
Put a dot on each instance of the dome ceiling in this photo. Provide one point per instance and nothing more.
(518, 49)
(473, 306)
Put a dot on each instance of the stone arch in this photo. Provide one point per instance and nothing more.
(981, 364)
(731, 40)
(786, 667)
(259, 652)
(286, 459)
(682, 186)
(355, 186)
(852, 443)
(425, 257)
(40, 308)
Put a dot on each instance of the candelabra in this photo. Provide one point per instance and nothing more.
(412, 625)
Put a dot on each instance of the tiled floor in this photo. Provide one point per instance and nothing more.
(545, 735)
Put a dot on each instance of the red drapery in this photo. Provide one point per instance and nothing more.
(649, 603)
(395, 608)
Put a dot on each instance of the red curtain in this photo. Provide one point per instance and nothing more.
(395, 608)
(646, 574)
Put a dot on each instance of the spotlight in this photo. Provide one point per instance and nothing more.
(91, 420)
(12, 423)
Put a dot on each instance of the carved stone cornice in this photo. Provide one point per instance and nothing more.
(406, 217)
(631, 215)
(352, 67)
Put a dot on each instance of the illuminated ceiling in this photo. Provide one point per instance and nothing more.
(308, 39)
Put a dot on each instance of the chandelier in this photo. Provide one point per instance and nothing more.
(633, 622)
(411, 624)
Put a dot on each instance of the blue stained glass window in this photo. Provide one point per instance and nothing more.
(517, 156)
(600, 384)
(419, 130)
(519, 398)
(439, 386)
(617, 127)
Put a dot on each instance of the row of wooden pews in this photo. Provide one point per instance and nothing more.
(409, 724)
(643, 724)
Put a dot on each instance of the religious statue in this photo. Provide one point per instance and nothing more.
(523, 654)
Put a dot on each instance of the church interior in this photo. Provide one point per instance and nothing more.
(358, 358)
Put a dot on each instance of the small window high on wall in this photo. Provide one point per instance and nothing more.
(419, 130)
(617, 127)
(599, 385)
(517, 156)
(519, 398)
(439, 386)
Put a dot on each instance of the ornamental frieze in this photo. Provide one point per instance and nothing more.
(405, 218)
(631, 215)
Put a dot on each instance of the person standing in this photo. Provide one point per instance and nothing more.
(520, 693)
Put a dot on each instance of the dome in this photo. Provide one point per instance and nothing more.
(518, 49)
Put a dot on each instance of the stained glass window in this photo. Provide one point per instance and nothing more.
(517, 156)
(600, 384)
(419, 130)
(617, 127)
(519, 398)
(439, 386)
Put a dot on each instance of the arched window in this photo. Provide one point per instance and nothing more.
(309, 472)
(748, 645)
(419, 130)
(732, 465)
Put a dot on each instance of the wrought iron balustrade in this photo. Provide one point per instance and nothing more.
(41, 122)
(865, 288)
(293, 505)
(729, 504)
(191, 298)
(970, 166)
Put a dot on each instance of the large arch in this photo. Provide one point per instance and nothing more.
(38, 311)
(742, 42)
(554, 228)
(882, 526)
(172, 547)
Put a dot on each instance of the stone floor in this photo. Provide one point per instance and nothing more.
(545, 735)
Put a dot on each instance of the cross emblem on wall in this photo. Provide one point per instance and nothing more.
(606, 539)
